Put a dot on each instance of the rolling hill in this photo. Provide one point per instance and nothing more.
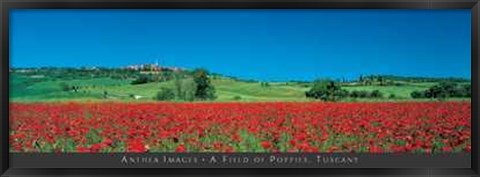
(25, 88)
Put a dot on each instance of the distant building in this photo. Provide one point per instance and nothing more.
(24, 71)
(151, 68)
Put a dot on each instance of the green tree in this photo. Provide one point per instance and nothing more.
(237, 97)
(440, 91)
(326, 90)
(180, 94)
(143, 79)
(105, 94)
(165, 94)
(449, 88)
(376, 94)
(354, 94)
(417, 94)
(467, 90)
(444, 90)
(392, 96)
(65, 87)
(360, 94)
(188, 89)
(205, 90)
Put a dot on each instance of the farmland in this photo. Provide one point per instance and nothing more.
(116, 110)
(416, 127)
(25, 88)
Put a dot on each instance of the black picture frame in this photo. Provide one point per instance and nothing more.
(7, 5)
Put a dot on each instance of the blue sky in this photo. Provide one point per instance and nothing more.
(255, 44)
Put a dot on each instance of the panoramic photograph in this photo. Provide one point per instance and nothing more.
(239, 81)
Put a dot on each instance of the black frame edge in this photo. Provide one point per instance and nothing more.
(269, 172)
(6, 5)
(4, 157)
(244, 4)
(476, 85)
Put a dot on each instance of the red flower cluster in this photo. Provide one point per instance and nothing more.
(423, 127)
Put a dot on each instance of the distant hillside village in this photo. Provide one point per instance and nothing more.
(137, 74)
(154, 72)
(151, 68)
(147, 68)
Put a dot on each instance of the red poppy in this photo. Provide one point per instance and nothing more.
(266, 144)
(180, 148)
(136, 146)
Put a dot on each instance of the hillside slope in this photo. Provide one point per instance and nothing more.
(29, 89)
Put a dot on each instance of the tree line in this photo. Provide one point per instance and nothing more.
(329, 90)
(445, 90)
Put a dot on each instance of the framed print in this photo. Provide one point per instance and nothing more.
(239, 87)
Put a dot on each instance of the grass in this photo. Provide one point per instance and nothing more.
(402, 92)
(28, 89)
(228, 89)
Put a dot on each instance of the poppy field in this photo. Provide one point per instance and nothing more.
(103, 127)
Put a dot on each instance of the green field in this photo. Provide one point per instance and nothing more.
(25, 88)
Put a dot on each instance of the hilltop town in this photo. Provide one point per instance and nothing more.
(151, 68)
